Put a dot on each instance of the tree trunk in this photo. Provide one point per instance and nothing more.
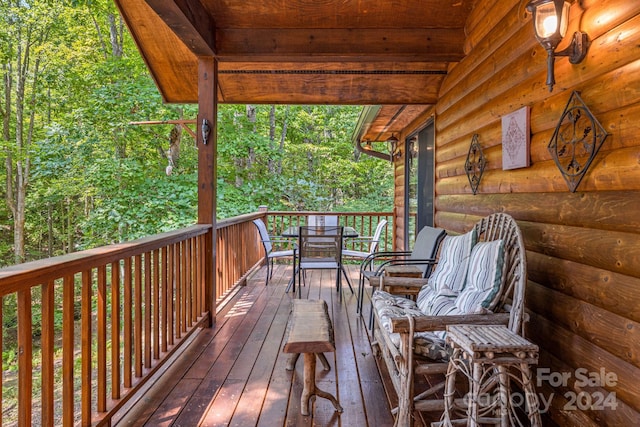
(283, 136)
(49, 230)
(115, 33)
(272, 137)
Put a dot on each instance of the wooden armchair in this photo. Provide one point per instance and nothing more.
(401, 326)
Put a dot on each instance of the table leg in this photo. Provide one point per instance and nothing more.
(310, 387)
(291, 361)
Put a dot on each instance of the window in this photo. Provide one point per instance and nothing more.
(419, 184)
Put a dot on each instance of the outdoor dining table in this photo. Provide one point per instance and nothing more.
(347, 232)
(294, 232)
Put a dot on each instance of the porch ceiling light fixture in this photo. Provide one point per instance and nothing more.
(550, 22)
(394, 149)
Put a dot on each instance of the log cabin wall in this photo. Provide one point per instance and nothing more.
(583, 248)
(399, 208)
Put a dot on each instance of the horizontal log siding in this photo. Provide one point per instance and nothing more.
(399, 212)
(582, 248)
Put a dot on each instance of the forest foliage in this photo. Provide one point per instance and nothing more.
(78, 174)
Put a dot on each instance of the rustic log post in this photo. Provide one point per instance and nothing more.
(207, 141)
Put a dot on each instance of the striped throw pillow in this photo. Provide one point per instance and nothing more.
(484, 278)
(451, 270)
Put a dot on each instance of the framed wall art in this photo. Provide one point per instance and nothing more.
(515, 139)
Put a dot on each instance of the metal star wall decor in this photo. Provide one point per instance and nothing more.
(475, 164)
(576, 141)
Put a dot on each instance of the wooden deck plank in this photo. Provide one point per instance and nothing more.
(234, 373)
(254, 396)
(213, 382)
(233, 321)
(324, 412)
(348, 379)
(377, 409)
(256, 349)
(173, 374)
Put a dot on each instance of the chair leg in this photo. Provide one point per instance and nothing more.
(346, 277)
(360, 296)
(266, 280)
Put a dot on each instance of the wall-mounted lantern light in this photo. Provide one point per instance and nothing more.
(550, 21)
(394, 149)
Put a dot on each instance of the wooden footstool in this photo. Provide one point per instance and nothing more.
(310, 333)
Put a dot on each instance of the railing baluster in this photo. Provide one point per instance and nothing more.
(171, 294)
(147, 310)
(164, 297)
(47, 347)
(115, 330)
(137, 318)
(86, 348)
(201, 269)
(101, 404)
(187, 285)
(68, 310)
(25, 361)
(183, 287)
(156, 304)
(128, 323)
(178, 292)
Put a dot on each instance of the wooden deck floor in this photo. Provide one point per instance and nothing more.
(234, 373)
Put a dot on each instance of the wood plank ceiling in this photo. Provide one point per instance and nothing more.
(346, 52)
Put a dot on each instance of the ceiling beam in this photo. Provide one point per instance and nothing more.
(417, 44)
(190, 22)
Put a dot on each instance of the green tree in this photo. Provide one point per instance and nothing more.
(94, 178)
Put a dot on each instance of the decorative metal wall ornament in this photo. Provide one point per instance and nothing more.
(475, 164)
(576, 141)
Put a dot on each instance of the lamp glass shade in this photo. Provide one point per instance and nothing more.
(550, 23)
(393, 144)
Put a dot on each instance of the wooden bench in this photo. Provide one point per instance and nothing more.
(310, 333)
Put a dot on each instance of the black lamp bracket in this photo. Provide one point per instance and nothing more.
(578, 48)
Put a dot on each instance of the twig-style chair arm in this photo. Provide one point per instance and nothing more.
(440, 323)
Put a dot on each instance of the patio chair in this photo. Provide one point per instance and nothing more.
(270, 254)
(320, 248)
(372, 240)
(422, 256)
(480, 279)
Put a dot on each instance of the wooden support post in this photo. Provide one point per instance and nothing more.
(207, 170)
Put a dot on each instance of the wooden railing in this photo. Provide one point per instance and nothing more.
(92, 327)
(364, 222)
(239, 252)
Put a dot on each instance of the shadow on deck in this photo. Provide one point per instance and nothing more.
(234, 373)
